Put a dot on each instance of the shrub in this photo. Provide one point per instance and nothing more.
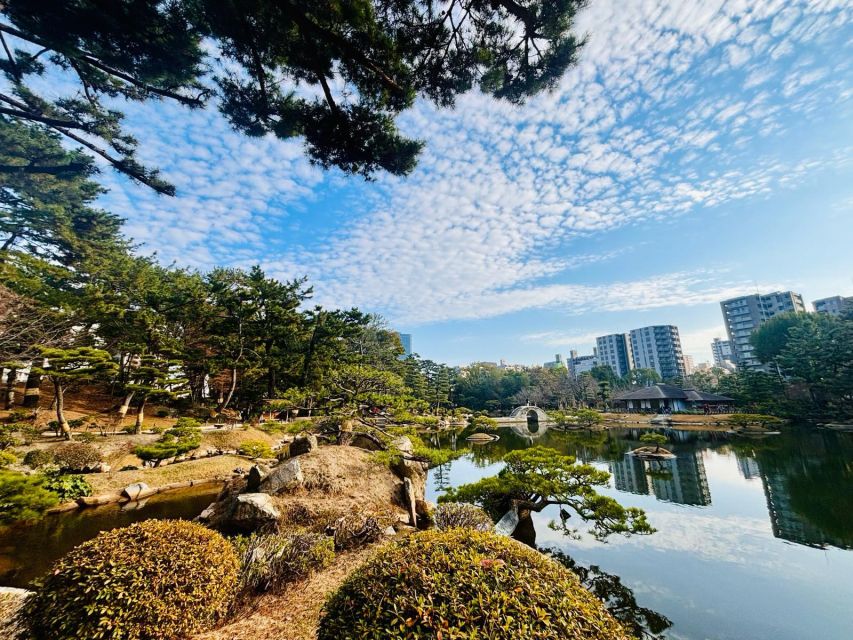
(7, 458)
(29, 432)
(157, 579)
(67, 486)
(464, 584)
(38, 458)
(23, 497)
(355, 530)
(747, 419)
(452, 515)
(19, 415)
(180, 439)
(76, 456)
(86, 437)
(186, 423)
(271, 561)
(255, 449)
(7, 440)
(158, 429)
(483, 423)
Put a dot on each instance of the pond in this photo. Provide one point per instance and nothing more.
(754, 535)
(27, 551)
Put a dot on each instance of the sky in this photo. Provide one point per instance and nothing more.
(698, 151)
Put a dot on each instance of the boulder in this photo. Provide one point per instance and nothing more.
(287, 476)
(365, 441)
(256, 474)
(134, 491)
(413, 470)
(410, 501)
(101, 467)
(424, 507)
(305, 443)
(252, 511)
(404, 445)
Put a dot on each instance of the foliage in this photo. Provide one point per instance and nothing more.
(67, 486)
(357, 529)
(464, 584)
(746, 419)
(174, 442)
(657, 439)
(452, 515)
(256, 449)
(7, 440)
(23, 497)
(157, 579)
(537, 477)
(186, 423)
(482, 423)
(76, 456)
(382, 55)
(588, 417)
(38, 458)
(7, 458)
(271, 561)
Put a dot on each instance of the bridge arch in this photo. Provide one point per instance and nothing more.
(521, 413)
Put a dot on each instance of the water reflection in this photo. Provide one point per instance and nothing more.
(806, 474)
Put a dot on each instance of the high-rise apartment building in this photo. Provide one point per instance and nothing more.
(689, 365)
(614, 350)
(722, 350)
(406, 340)
(659, 348)
(834, 306)
(745, 314)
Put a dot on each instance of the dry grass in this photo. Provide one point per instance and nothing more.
(10, 603)
(232, 438)
(205, 468)
(294, 614)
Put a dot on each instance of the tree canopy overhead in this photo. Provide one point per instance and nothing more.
(333, 72)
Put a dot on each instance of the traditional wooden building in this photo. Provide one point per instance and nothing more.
(659, 397)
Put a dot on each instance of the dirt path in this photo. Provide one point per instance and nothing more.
(294, 614)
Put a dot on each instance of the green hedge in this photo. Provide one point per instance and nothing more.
(464, 584)
(154, 580)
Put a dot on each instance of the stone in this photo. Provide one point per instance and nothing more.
(414, 470)
(287, 476)
(101, 467)
(389, 532)
(409, 501)
(424, 507)
(208, 513)
(305, 443)
(404, 445)
(363, 441)
(252, 511)
(133, 491)
(256, 474)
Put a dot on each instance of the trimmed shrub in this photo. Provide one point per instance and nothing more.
(23, 497)
(271, 561)
(19, 415)
(153, 580)
(8, 440)
(7, 458)
(76, 456)
(175, 442)
(67, 486)
(464, 584)
(38, 458)
(255, 449)
(483, 423)
(454, 515)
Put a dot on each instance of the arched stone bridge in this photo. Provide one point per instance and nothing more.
(522, 413)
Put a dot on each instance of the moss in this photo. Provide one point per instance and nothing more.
(151, 580)
(464, 584)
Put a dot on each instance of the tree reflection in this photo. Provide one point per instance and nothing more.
(617, 597)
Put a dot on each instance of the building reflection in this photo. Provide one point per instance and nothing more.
(681, 480)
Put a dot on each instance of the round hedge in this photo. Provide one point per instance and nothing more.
(159, 579)
(464, 584)
(452, 515)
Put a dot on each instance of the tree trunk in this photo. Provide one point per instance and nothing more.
(59, 401)
(140, 415)
(121, 413)
(224, 402)
(32, 391)
(10, 389)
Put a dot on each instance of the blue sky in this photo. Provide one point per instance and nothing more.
(700, 150)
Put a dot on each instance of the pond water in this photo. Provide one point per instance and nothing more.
(755, 535)
(27, 551)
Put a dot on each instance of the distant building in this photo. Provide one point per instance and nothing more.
(658, 347)
(689, 367)
(685, 482)
(834, 306)
(614, 350)
(406, 340)
(558, 362)
(667, 396)
(722, 350)
(629, 474)
(511, 367)
(580, 364)
(745, 314)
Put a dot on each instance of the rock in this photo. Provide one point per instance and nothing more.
(303, 444)
(285, 477)
(208, 513)
(133, 491)
(363, 441)
(256, 474)
(414, 470)
(101, 467)
(404, 445)
(389, 532)
(424, 507)
(252, 511)
(409, 501)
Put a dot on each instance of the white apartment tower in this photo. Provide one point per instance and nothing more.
(658, 347)
(745, 314)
